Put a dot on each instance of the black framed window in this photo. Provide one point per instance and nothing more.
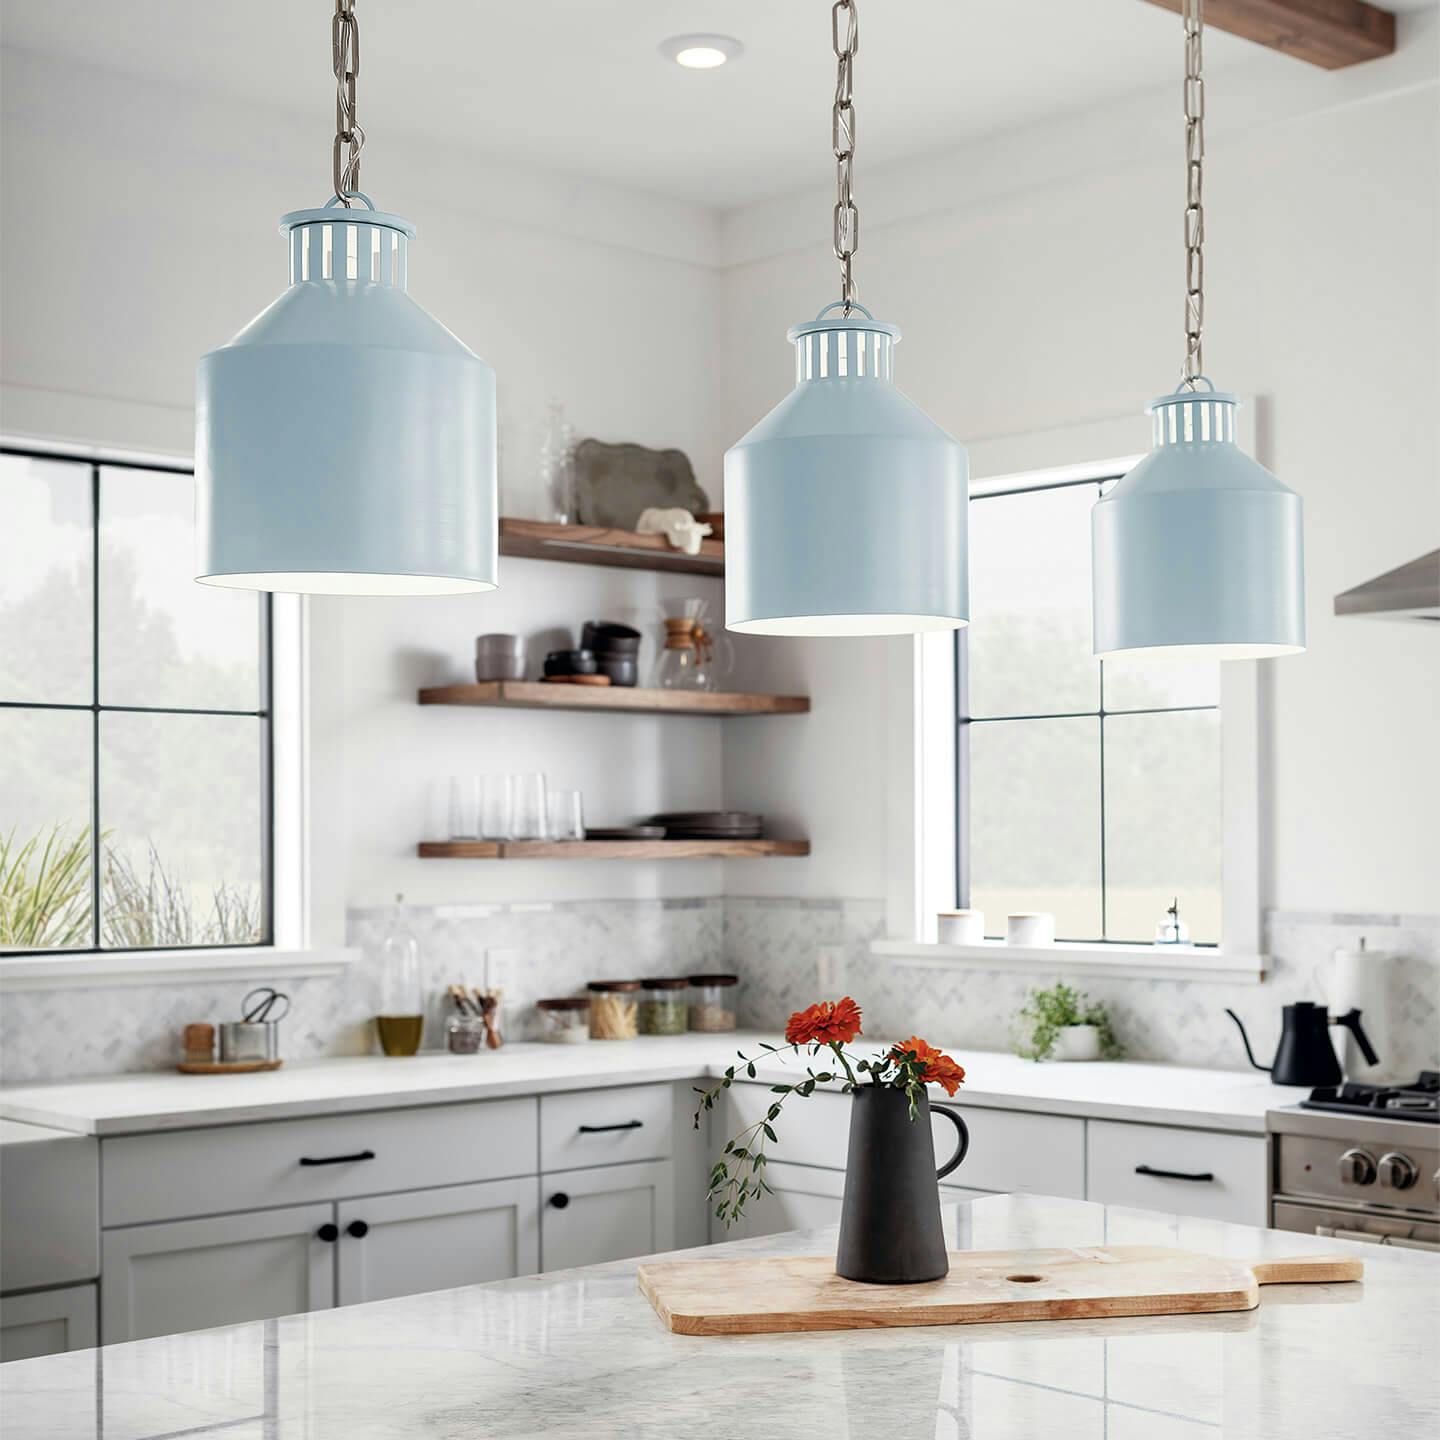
(135, 720)
(1089, 789)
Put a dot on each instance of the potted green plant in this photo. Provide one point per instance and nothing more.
(1065, 1024)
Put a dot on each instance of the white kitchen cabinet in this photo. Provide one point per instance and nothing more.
(1187, 1172)
(805, 1198)
(610, 1213)
(192, 1274)
(437, 1239)
(46, 1322)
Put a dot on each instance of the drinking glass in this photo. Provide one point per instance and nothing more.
(497, 807)
(464, 807)
(566, 821)
(530, 814)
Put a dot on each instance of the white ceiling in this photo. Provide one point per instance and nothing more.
(577, 86)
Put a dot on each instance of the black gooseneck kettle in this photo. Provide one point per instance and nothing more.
(1305, 1055)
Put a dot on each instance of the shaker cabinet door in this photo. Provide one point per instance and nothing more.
(45, 1322)
(610, 1213)
(193, 1274)
(437, 1239)
(804, 1198)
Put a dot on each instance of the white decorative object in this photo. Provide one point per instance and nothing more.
(1030, 927)
(678, 526)
(1076, 1042)
(960, 927)
(1360, 980)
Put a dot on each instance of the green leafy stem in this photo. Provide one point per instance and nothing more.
(738, 1176)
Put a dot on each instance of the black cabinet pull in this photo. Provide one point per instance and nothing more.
(329, 1233)
(559, 1200)
(337, 1159)
(600, 1129)
(1200, 1176)
(358, 1228)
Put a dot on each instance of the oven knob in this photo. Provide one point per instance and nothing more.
(1357, 1167)
(1397, 1170)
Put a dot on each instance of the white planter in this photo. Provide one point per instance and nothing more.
(1077, 1042)
(960, 927)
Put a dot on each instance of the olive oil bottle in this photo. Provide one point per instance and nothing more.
(401, 1021)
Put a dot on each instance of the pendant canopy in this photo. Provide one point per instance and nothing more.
(1198, 551)
(345, 439)
(845, 507)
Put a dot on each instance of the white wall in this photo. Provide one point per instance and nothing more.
(1026, 308)
(139, 230)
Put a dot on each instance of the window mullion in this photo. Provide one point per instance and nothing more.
(95, 702)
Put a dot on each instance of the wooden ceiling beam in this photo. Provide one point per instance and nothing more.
(1328, 33)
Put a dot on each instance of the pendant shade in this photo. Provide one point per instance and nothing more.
(1198, 553)
(845, 507)
(345, 439)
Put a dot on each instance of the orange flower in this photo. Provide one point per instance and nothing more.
(935, 1065)
(830, 1022)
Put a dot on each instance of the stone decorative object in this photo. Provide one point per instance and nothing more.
(615, 484)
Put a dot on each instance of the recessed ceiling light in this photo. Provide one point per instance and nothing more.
(701, 52)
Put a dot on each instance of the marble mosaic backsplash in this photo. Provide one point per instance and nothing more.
(788, 952)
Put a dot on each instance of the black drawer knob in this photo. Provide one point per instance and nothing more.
(329, 1233)
(358, 1228)
(559, 1199)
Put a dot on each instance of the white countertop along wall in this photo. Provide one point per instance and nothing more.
(127, 1104)
(580, 1353)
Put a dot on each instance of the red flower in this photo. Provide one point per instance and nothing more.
(830, 1022)
(934, 1065)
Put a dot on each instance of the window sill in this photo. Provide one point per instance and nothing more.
(1123, 962)
(55, 970)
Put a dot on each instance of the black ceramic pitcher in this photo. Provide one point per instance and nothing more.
(890, 1232)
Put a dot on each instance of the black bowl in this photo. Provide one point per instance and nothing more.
(570, 662)
(610, 637)
(622, 669)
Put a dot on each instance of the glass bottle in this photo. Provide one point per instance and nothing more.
(557, 465)
(401, 1021)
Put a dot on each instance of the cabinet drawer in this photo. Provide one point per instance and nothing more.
(1009, 1149)
(250, 1167)
(605, 1127)
(1215, 1177)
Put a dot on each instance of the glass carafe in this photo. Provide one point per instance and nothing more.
(695, 656)
(400, 1022)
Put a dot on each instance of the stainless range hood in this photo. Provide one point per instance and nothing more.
(1409, 592)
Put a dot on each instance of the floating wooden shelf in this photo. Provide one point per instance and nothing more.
(595, 545)
(538, 695)
(609, 849)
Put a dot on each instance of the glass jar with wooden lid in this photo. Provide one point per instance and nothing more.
(713, 1001)
(565, 1020)
(614, 1009)
(663, 1010)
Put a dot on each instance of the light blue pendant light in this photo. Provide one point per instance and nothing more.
(1197, 553)
(845, 507)
(345, 439)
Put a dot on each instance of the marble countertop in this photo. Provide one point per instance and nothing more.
(579, 1355)
(127, 1104)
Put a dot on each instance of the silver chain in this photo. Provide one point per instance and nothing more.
(349, 137)
(845, 37)
(1193, 14)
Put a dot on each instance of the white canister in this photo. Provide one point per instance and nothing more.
(1361, 980)
(1030, 927)
(960, 927)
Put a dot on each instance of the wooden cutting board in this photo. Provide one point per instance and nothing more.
(756, 1297)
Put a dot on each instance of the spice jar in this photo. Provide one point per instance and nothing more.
(464, 1034)
(565, 1020)
(662, 1005)
(614, 1009)
(712, 1001)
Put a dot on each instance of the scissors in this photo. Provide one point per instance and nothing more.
(259, 1012)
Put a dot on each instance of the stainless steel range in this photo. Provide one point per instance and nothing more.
(1360, 1162)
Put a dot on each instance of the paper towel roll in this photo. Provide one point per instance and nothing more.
(1361, 980)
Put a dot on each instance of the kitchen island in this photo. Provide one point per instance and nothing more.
(580, 1353)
